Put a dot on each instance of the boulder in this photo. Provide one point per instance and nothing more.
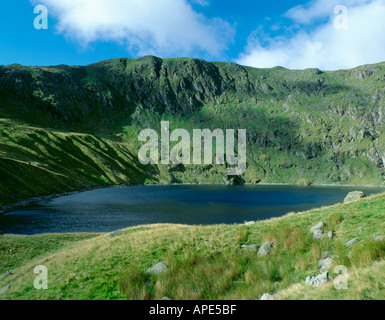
(250, 247)
(5, 289)
(8, 273)
(318, 231)
(354, 196)
(351, 243)
(265, 249)
(326, 254)
(325, 264)
(319, 228)
(118, 233)
(114, 234)
(377, 238)
(267, 296)
(318, 236)
(158, 269)
(318, 280)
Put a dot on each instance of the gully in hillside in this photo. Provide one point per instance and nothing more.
(180, 153)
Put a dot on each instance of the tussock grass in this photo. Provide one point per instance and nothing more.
(207, 262)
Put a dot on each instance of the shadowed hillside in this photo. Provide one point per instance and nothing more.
(67, 128)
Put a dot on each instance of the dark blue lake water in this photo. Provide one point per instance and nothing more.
(110, 209)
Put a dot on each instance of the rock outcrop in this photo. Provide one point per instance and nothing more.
(351, 243)
(5, 289)
(318, 280)
(266, 249)
(325, 264)
(378, 238)
(157, 269)
(354, 196)
(318, 231)
(250, 247)
(267, 296)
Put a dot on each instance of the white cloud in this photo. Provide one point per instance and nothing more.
(324, 46)
(162, 27)
(318, 9)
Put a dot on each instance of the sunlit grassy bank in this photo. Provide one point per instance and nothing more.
(204, 262)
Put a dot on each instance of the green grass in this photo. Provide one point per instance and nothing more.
(68, 128)
(15, 251)
(38, 162)
(205, 262)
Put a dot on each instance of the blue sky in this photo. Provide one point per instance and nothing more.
(290, 33)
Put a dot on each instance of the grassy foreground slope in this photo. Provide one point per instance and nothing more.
(67, 128)
(205, 262)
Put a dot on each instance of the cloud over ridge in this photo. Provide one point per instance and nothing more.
(322, 45)
(162, 27)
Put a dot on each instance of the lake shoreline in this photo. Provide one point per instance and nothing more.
(105, 249)
(24, 203)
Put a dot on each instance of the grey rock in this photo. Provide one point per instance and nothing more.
(8, 273)
(250, 247)
(158, 269)
(266, 249)
(354, 196)
(318, 231)
(117, 233)
(318, 280)
(320, 227)
(5, 289)
(249, 223)
(351, 243)
(318, 236)
(326, 254)
(325, 264)
(166, 299)
(377, 238)
(360, 228)
(330, 234)
(267, 296)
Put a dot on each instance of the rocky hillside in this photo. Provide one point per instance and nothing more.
(76, 127)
